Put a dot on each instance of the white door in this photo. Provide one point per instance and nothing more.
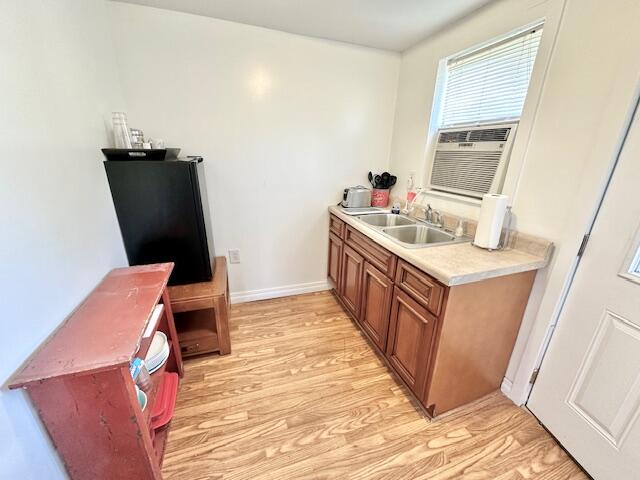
(588, 389)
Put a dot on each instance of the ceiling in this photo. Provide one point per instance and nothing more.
(387, 24)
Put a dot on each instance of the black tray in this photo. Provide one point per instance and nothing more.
(121, 154)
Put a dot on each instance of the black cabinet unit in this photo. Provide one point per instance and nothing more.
(163, 213)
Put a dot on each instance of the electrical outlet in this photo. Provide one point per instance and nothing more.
(234, 255)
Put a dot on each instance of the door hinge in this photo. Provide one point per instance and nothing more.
(583, 245)
(534, 376)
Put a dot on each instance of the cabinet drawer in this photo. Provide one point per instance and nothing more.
(377, 256)
(198, 345)
(192, 304)
(420, 286)
(336, 226)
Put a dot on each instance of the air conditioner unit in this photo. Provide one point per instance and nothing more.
(472, 161)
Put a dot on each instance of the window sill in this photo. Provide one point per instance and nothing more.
(632, 277)
(450, 196)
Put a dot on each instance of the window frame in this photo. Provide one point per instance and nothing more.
(474, 50)
(538, 74)
(630, 269)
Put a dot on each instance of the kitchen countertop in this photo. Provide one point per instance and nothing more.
(459, 263)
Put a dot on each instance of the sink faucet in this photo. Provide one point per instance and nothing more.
(438, 218)
(433, 217)
(428, 213)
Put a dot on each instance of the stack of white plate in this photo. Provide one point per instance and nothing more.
(158, 352)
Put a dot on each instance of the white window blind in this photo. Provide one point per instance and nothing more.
(490, 84)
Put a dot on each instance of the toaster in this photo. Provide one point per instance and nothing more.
(356, 197)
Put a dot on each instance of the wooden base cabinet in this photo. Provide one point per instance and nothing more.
(351, 279)
(335, 260)
(411, 333)
(377, 290)
(449, 345)
(202, 313)
(476, 332)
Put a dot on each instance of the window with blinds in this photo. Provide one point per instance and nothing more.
(490, 84)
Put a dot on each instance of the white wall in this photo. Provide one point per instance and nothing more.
(580, 97)
(586, 103)
(284, 122)
(59, 231)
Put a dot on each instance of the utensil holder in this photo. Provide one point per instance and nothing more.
(380, 197)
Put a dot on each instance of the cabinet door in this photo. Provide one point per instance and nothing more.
(351, 279)
(377, 290)
(335, 260)
(336, 226)
(411, 332)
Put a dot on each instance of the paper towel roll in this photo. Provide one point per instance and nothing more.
(490, 222)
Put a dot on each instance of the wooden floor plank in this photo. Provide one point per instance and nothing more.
(303, 396)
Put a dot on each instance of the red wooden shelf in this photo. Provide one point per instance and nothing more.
(160, 443)
(105, 330)
(80, 383)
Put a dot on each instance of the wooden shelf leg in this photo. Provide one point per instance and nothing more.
(172, 331)
(222, 325)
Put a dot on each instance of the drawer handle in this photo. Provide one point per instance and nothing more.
(190, 348)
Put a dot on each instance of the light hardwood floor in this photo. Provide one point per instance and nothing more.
(303, 396)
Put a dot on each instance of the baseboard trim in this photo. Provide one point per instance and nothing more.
(284, 291)
(506, 386)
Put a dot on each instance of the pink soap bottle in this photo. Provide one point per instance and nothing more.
(411, 188)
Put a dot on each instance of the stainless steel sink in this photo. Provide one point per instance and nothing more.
(386, 220)
(415, 236)
(409, 232)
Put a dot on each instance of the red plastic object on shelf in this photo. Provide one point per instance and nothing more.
(165, 401)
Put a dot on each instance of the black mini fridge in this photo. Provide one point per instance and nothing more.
(163, 213)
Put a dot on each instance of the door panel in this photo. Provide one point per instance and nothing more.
(351, 279)
(377, 290)
(334, 260)
(409, 343)
(588, 389)
(616, 348)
